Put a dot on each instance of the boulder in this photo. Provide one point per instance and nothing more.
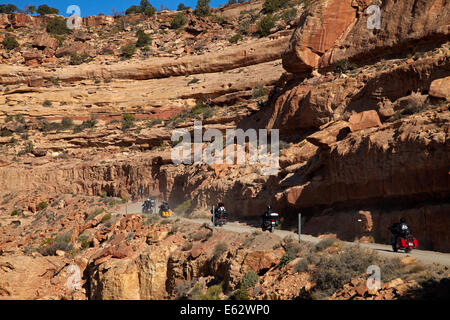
(364, 120)
(44, 41)
(440, 88)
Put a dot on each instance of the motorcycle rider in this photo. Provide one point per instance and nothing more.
(220, 208)
(399, 229)
(266, 215)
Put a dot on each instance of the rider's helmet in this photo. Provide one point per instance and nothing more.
(220, 204)
(402, 220)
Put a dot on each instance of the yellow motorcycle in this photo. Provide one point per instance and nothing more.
(165, 211)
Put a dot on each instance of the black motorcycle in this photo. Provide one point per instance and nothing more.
(220, 216)
(270, 221)
(148, 206)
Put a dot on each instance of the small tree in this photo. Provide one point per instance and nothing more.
(265, 24)
(202, 9)
(57, 25)
(128, 51)
(30, 9)
(143, 39)
(45, 9)
(182, 7)
(10, 43)
(178, 21)
(8, 8)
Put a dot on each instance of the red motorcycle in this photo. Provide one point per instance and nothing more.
(405, 243)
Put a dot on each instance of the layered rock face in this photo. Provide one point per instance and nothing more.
(333, 30)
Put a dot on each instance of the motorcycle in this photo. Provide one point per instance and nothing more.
(164, 211)
(406, 243)
(147, 208)
(220, 217)
(270, 222)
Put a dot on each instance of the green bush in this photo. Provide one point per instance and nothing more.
(182, 7)
(343, 66)
(29, 147)
(128, 50)
(47, 103)
(202, 9)
(45, 9)
(240, 294)
(249, 280)
(259, 91)
(265, 24)
(8, 8)
(212, 293)
(66, 123)
(58, 26)
(178, 21)
(234, 39)
(289, 15)
(127, 121)
(145, 7)
(76, 59)
(143, 39)
(15, 212)
(42, 205)
(106, 217)
(285, 259)
(271, 6)
(10, 43)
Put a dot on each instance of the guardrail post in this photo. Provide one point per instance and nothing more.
(299, 225)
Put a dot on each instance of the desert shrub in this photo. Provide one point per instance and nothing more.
(240, 294)
(29, 147)
(143, 39)
(106, 217)
(331, 272)
(408, 110)
(47, 103)
(301, 266)
(45, 9)
(178, 21)
(57, 25)
(86, 124)
(265, 24)
(220, 249)
(202, 9)
(390, 269)
(62, 242)
(249, 280)
(234, 39)
(128, 51)
(5, 133)
(343, 66)
(271, 6)
(285, 259)
(325, 243)
(212, 293)
(127, 121)
(292, 248)
(42, 205)
(289, 15)
(10, 43)
(66, 123)
(15, 212)
(259, 91)
(76, 59)
(153, 122)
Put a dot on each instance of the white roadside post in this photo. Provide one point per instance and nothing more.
(213, 218)
(299, 225)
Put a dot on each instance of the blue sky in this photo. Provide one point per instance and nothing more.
(94, 7)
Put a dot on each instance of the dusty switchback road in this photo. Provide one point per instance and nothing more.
(425, 256)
